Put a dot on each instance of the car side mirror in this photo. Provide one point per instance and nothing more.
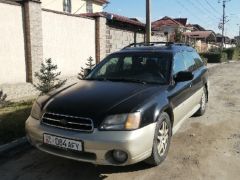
(87, 71)
(183, 76)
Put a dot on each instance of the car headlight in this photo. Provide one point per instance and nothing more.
(36, 112)
(122, 122)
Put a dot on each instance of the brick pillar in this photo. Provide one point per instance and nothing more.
(100, 38)
(33, 37)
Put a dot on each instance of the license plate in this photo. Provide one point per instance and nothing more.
(62, 142)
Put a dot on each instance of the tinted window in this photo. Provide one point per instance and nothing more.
(150, 68)
(197, 59)
(190, 63)
(179, 64)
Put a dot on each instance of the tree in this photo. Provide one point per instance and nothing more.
(178, 36)
(2, 98)
(89, 65)
(48, 78)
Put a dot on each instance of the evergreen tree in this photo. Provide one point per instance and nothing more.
(89, 65)
(2, 98)
(48, 78)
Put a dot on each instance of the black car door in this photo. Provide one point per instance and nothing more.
(196, 84)
(179, 92)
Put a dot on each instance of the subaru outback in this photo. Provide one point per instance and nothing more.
(126, 109)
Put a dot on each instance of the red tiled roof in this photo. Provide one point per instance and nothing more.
(183, 21)
(102, 1)
(115, 17)
(199, 34)
(166, 21)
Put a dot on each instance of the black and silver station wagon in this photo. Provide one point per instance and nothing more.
(126, 109)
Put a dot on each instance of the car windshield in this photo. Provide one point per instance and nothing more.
(134, 67)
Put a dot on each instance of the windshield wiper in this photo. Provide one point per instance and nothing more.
(127, 80)
(123, 80)
(96, 79)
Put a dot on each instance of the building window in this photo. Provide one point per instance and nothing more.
(89, 6)
(67, 6)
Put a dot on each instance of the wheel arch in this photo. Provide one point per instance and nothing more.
(169, 111)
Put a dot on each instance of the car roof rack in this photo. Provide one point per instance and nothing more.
(142, 44)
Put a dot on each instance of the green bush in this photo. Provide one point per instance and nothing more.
(230, 52)
(214, 57)
(236, 55)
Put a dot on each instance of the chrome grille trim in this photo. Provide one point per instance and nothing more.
(89, 127)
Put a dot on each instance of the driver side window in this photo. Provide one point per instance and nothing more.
(179, 64)
(109, 67)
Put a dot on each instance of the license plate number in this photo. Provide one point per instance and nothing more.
(62, 142)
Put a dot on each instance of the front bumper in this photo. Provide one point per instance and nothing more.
(97, 145)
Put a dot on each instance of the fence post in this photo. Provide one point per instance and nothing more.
(32, 14)
(100, 38)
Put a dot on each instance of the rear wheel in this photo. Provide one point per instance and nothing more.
(162, 139)
(203, 104)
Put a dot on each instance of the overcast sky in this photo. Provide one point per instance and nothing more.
(206, 13)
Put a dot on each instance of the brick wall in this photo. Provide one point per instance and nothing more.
(117, 38)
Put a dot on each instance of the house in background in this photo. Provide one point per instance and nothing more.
(227, 40)
(195, 27)
(237, 40)
(75, 6)
(205, 36)
(202, 40)
(169, 26)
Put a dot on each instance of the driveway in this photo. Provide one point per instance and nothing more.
(204, 148)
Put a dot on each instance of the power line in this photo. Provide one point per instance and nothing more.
(204, 10)
(192, 13)
(212, 7)
(183, 6)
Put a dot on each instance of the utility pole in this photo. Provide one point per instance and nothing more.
(223, 21)
(148, 21)
(239, 29)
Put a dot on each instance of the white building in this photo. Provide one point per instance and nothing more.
(75, 6)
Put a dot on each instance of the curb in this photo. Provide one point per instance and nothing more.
(12, 145)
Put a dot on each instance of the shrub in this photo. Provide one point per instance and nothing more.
(48, 78)
(230, 52)
(236, 55)
(3, 98)
(89, 65)
(214, 57)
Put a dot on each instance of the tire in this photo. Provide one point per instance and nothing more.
(203, 104)
(160, 136)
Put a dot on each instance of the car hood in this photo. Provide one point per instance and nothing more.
(95, 99)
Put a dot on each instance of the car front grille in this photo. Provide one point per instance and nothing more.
(68, 122)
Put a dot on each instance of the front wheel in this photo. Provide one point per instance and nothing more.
(203, 104)
(162, 139)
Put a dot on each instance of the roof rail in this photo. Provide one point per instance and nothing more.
(155, 43)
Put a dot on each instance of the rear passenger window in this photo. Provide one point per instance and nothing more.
(127, 63)
(190, 63)
(179, 64)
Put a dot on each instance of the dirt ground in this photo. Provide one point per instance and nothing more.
(204, 148)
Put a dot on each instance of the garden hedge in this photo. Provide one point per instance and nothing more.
(214, 57)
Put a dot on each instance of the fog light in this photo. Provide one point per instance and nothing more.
(119, 156)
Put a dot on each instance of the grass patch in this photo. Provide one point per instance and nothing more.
(12, 120)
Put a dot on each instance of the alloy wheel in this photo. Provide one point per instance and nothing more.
(163, 135)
